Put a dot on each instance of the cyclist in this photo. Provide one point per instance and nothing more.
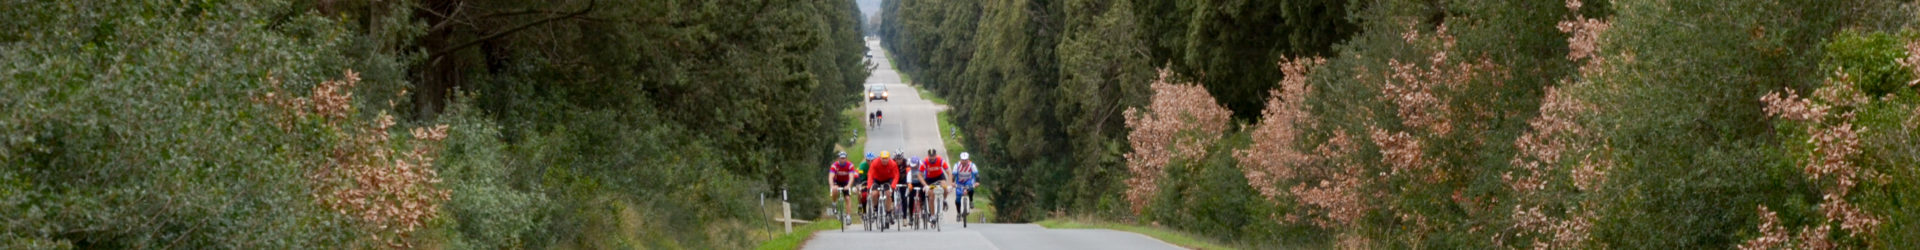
(936, 171)
(899, 164)
(861, 177)
(840, 175)
(966, 176)
(884, 175)
(916, 181)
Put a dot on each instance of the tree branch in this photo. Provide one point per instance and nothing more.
(497, 35)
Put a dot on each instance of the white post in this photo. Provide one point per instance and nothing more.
(786, 211)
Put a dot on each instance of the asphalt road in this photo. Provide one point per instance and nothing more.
(911, 125)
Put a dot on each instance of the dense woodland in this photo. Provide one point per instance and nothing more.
(486, 124)
(462, 124)
(1365, 124)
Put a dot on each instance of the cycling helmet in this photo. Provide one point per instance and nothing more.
(843, 154)
(869, 155)
(883, 154)
(963, 155)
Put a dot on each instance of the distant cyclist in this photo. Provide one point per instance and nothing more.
(966, 176)
(841, 174)
(936, 170)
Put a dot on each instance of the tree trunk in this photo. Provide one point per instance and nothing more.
(438, 76)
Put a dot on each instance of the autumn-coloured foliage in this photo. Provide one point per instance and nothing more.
(1328, 189)
(393, 193)
(1413, 87)
(1912, 61)
(1585, 39)
(1834, 141)
(1557, 152)
(1773, 235)
(1337, 199)
(1180, 123)
(1275, 153)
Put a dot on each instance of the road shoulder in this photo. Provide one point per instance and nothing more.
(1166, 235)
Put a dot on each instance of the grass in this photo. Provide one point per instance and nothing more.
(856, 127)
(1170, 236)
(950, 139)
(982, 207)
(936, 99)
(800, 235)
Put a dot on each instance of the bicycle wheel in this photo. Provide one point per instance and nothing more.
(965, 208)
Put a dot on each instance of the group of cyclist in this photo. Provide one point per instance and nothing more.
(886, 172)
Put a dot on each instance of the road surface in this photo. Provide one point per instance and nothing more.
(910, 125)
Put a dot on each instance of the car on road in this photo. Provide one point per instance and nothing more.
(877, 92)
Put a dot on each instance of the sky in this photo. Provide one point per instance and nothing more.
(869, 7)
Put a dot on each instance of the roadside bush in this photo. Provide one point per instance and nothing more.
(1850, 153)
(486, 210)
(1871, 59)
(1691, 146)
(127, 125)
(1210, 195)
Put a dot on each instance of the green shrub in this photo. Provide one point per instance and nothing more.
(486, 210)
(1891, 127)
(129, 125)
(1871, 58)
(1210, 196)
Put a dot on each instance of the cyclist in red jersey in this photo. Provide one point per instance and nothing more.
(936, 169)
(841, 173)
(882, 174)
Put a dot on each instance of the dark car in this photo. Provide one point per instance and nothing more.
(876, 92)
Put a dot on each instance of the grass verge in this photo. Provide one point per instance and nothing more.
(982, 207)
(856, 129)
(936, 99)
(799, 236)
(948, 137)
(1170, 236)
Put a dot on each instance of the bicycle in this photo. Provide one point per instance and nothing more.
(876, 210)
(897, 212)
(844, 195)
(936, 206)
(919, 213)
(866, 208)
(917, 199)
(964, 206)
